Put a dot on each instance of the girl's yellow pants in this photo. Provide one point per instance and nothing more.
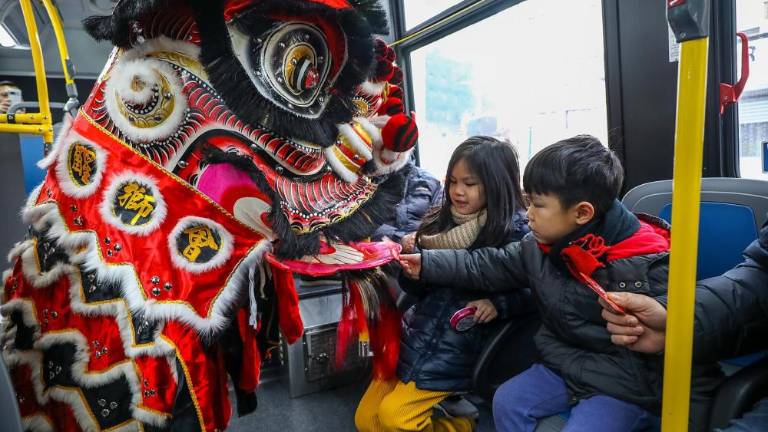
(394, 406)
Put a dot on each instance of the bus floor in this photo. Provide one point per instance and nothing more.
(329, 410)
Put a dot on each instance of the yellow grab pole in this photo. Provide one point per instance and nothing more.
(23, 129)
(686, 196)
(39, 64)
(31, 118)
(66, 63)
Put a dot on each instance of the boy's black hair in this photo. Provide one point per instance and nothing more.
(495, 164)
(576, 169)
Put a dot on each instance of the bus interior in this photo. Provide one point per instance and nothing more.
(530, 71)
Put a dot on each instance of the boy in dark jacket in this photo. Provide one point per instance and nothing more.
(731, 317)
(582, 240)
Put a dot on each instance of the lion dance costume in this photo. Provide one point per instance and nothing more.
(226, 145)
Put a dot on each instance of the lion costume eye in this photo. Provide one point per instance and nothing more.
(291, 65)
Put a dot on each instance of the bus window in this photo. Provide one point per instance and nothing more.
(752, 19)
(418, 11)
(501, 77)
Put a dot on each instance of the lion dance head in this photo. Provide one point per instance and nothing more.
(225, 146)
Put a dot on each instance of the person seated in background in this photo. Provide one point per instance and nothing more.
(581, 237)
(421, 192)
(726, 308)
(10, 95)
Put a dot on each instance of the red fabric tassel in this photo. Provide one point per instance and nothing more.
(385, 341)
(287, 304)
(251, 368)
(348, 328)
(383, 335)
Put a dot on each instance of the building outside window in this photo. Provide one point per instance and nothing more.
(499, 77)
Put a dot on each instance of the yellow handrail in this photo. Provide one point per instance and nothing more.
(58, 30)
(686, 196)
(41, 123)
(66, 63)
(30, 118)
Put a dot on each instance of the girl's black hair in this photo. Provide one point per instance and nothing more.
(495, 163)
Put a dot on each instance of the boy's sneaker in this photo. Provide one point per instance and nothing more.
(457, 406)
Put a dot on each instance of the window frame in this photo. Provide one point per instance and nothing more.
(721, 157)
(432, 30)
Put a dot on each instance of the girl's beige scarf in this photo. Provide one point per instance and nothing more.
(459, 237)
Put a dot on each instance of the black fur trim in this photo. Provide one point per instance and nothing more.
(372, 214)
(230, 79)
(115, 27)
(360, 225)
(374, 13)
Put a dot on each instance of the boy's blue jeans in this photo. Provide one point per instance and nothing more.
(539, 392)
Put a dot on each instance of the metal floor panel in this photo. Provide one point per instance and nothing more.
(329, 410)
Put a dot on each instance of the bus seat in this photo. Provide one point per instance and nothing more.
(720, 244)
(9, 410)
(509, 351)
(739, 393)
(732, 210)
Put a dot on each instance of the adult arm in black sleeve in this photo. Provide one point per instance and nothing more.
(732, 307)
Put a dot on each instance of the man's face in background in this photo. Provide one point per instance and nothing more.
(9, 95)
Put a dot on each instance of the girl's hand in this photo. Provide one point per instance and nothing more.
(411, 264)
(485, 312)
(408, 242)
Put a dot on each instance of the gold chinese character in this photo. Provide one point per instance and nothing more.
(135, 198)
(199, 237)
(81, 162)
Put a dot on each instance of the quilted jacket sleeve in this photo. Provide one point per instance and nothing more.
(732, 309)
(487, 269)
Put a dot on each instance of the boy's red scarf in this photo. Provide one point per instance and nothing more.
(586, 254)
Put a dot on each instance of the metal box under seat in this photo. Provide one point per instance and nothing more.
(310, 362)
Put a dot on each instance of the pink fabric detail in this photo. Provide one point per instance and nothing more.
(217, 179)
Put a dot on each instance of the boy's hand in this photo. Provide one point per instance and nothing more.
(643, 328)
(485, 312)
(411, 264)
(408, 242)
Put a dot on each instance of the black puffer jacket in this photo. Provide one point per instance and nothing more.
(573, 340)
(434, 355)
(732, 309)
(421, 192)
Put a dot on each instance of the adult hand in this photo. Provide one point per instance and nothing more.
(485, 312)
(408, 242)
(411, 264)
(642, 328)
